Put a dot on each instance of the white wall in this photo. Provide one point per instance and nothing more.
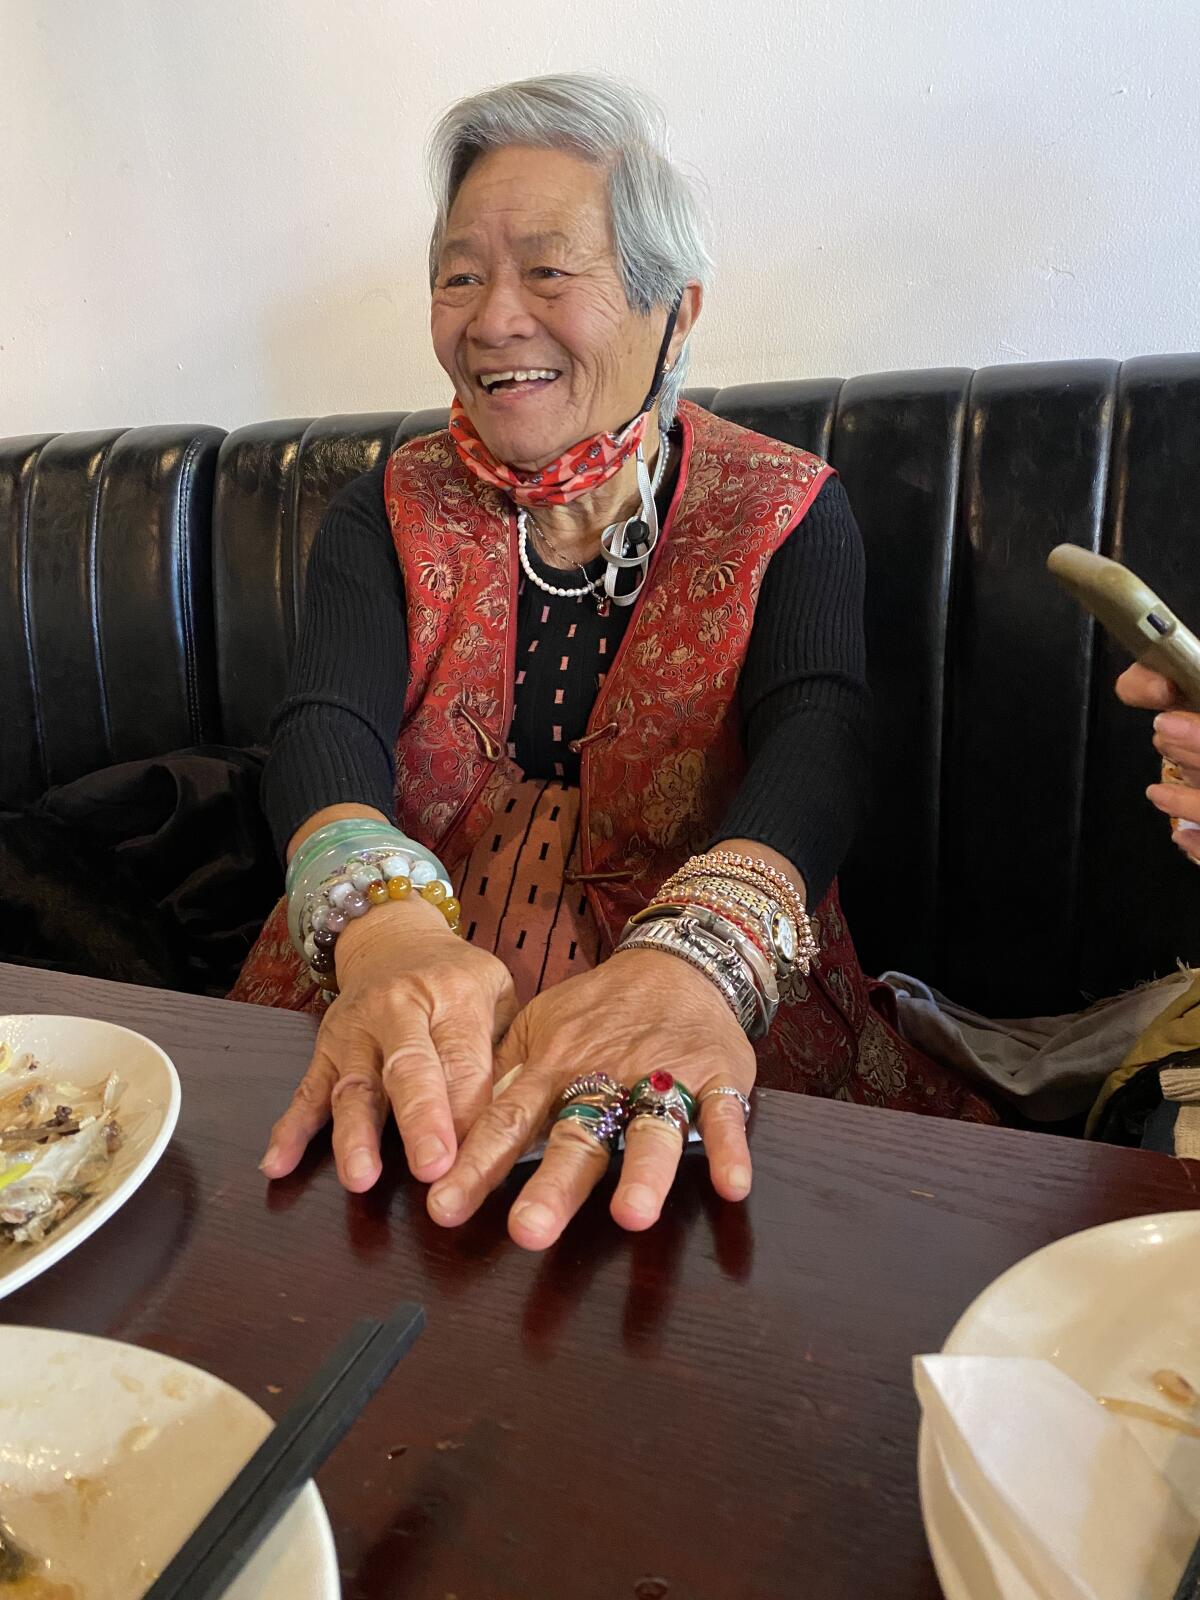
(215, 211)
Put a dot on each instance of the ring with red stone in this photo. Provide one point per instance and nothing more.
(662, 1095)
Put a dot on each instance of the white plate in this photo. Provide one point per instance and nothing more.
(1109, 1307)
(82, 1050)
(110, 1456)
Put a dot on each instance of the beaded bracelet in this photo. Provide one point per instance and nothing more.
(369, 877)
(754, 870)
(325, 854)
(758, 875)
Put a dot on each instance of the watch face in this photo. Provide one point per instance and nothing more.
(784, 932)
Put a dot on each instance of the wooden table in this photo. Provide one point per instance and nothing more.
(720, 1408)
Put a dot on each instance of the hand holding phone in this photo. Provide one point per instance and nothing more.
(1133, 614)
(1160, 643)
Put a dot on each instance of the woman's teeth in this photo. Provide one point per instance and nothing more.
(493, 380)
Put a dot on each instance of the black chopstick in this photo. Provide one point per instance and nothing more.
(215, 1553)
(1189, 1584)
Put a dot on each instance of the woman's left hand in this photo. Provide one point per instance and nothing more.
(638, 1012)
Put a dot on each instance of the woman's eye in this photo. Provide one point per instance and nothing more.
(459, 280)
(548, 272)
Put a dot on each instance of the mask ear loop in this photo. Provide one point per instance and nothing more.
(660, 368)
(639, 532)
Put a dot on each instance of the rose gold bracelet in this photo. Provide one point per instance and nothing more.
(758, 875)
(786, 889)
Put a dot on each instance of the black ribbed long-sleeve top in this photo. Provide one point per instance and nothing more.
(803, 699)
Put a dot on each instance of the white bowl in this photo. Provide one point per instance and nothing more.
(83, 1050)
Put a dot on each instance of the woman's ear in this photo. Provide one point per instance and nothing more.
(691, 303)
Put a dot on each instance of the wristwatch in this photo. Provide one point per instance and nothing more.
(773, 923)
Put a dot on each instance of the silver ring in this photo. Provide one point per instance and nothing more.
(735, 1094)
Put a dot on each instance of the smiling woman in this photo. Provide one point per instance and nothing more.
(580, 680)
(510, 278)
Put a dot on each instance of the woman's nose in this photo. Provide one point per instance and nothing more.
(500, 313)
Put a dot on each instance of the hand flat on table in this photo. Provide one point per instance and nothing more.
(638, 1012)
(412, 1032)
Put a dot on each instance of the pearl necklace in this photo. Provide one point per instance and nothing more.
(524, 521)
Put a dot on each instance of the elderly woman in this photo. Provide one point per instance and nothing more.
(578, 724)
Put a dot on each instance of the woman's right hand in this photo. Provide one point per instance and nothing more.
(413, 1028)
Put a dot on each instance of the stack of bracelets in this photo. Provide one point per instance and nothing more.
(741, 923)
(342, 871)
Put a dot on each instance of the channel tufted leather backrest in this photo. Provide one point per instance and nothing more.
(107, 651)
(1010, 857)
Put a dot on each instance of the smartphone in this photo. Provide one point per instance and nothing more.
(1133, 614)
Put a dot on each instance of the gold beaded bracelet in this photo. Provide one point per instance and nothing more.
(759, 875)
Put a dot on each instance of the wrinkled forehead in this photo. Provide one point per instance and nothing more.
(527, 200)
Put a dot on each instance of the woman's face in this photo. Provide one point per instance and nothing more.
(528, 283)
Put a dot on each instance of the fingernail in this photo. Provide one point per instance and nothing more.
(640, 1200)
(447, 1200)
(738, 1178)
(429, 1150)
(271, 1157)
(536, 1217)
(1170, 725)
(360, 1165)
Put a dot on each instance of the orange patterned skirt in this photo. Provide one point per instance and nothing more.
(516, 900)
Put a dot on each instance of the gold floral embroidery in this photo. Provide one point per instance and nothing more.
(880, 1063)
(436, 576)
(669, 801)
(713, 625)
(711, 579)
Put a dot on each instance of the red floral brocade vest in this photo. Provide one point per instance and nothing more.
(662, 755)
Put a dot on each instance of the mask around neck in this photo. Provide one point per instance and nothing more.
(580, 468)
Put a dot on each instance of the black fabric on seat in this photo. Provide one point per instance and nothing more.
(150, 584)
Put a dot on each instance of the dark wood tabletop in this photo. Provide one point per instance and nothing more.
(719, 1408)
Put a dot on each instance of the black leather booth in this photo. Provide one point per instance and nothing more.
(150, 580)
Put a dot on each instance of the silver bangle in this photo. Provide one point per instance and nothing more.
(728, 932)
(768, 914)
(719, 962)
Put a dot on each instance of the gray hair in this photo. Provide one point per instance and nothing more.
(655, 218)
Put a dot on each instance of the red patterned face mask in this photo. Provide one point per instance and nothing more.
(581, 468)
